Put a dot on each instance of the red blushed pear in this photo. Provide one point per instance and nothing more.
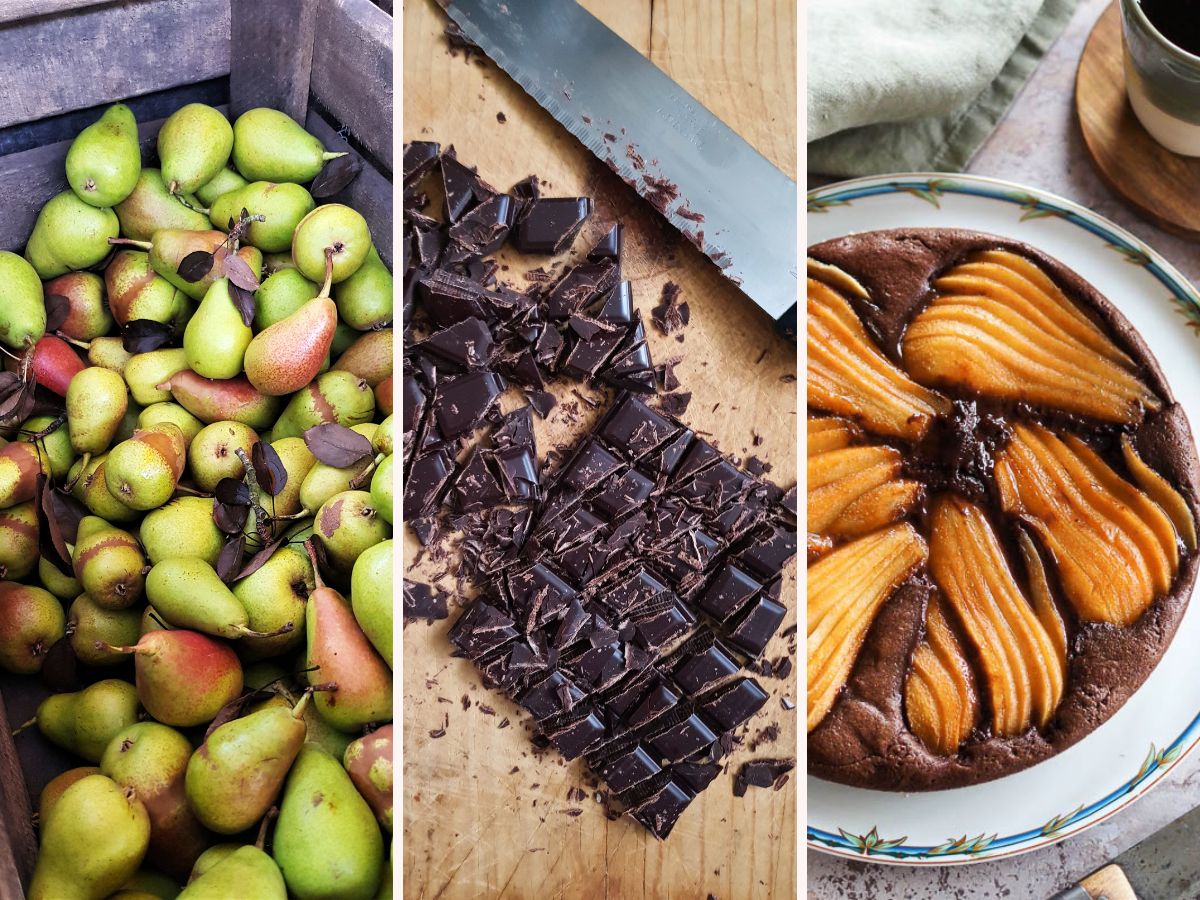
(368, 762)
(223, 400)
(20, 464)
(88, 315)
(184, 677)
(383, 396)
(51, 360)
(339, 652)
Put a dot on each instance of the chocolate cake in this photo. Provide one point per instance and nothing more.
(1001, 509)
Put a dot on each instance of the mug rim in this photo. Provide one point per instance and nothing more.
(1143, 19)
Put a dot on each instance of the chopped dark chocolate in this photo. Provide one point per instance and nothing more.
(763, 773)
(549, 224)
(460, 404)
(419, 158)
(423, 602)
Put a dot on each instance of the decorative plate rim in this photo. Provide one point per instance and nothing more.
(1037, 203)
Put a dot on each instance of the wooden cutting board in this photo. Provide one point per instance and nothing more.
(484, 816)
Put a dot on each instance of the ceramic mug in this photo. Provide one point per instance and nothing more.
(1163, 82)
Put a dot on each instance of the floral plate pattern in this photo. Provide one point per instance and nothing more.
(1127, 755)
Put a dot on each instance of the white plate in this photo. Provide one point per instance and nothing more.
(1127, 755)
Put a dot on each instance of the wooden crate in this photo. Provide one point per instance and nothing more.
(327, 63)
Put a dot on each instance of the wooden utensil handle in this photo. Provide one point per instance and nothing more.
(1108, 883)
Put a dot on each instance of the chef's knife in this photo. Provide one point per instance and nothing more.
(1165, 866)
(708, 182)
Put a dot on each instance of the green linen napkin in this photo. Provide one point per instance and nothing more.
(917, 85)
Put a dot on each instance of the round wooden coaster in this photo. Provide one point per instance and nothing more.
(1161, 185)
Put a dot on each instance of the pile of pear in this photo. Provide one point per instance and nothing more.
(233, 733)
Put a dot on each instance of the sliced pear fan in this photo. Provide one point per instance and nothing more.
(853, 490)
(940, 698)
(1043, 597)
(846, 589)
(1160, 491)
(849, 376)
(831, 434)
(1114, 548)
(1021, 666)
(1000, 327)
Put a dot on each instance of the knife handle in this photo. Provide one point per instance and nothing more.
(1108, 883)
(786, 324)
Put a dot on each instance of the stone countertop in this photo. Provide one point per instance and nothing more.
(1039, 143)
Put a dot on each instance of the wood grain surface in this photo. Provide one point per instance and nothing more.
(1159, 184)
(484, 814)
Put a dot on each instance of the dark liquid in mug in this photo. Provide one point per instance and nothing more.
(1177, 20)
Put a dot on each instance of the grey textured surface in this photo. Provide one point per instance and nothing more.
(1038, 143)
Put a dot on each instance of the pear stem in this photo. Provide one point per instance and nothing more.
(298, 709)
(129, 242)
(25, 726)
(361, 478)
(262, 521)
(83, 464)
(295, 515)
(104, 645)
(286, 628)
(328, 285)
(198, 209)
(328, 155)
(312, 555)
(85, 345)
(261, 840)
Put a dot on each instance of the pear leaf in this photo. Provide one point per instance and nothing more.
(269, 470)
(243, 302)
(335, 175)
(229, 561)
(58, 308)
(144, 335)
(232, 492)
(53, 544)
(16, 397)
(257, 560)
(239, 273)
(336, 445)
(195, 265)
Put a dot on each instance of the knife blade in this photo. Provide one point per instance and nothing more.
(723, 195)
(1164, 866)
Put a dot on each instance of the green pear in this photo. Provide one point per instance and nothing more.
(57, 785)
(381, 489)
(88, 316)
(22, 308)
(239, 770)
(278, 262)
(69, 235)
(187, 592)
(213, 454)
(331, 397)
(371, 596)
(215, 854)
(31, 621)
(216, 400)
(64, 587)
(55, 446)
(343, 338)
(282, 206)
(136, 291)
(108, 353)
(369, 357)
(128, 423)
(332, 231)
(339, 652)
(89, 623)
(346, 525)
(151, 759)
(92, 843)
(224, 182)
(280, 295)
(274, 595)
(151, 207)
(368, 762)
(384, 438)
(193, 146)
(165, 411)
(148, 885)
(143, 471)
(85, 721)
(183, 677)
(108, 564)
(183, 527)
(364, 300)
(287, 356)
(216, 338)
(105, 160)
(18, 541)
(271, 146)
(327, 842)
(90, 487)
(297, 461)
(144, 372)
(96, 403)
(246, 872)
(324, 481)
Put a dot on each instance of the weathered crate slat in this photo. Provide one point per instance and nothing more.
(352, 71)
(102, 53)
(271, 60)
(18, 847)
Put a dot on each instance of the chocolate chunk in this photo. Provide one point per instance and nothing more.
(762, 773)
(733, 704)
(659, 700)
(572, 741)
(683, 740)
(549, 224)
(669, 316)
(770, 551)
(551, 697)
(467, 344)
(591, 465)
(664, 627)
(579, 286)
(666, 459)
(623, 492)
(634, 427)
(450, 297)
(696, 674)
(481, 630)
(423, 602)
(675, 404)
(419, 157)
(476, 486)
(629, 769)
(462, 187)
(461, 403)
(757, 625)
(542, 402)
(426, 478)
(609, 246)
(485, 228)
(725, 594)
(660, 812)
(696, 776)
